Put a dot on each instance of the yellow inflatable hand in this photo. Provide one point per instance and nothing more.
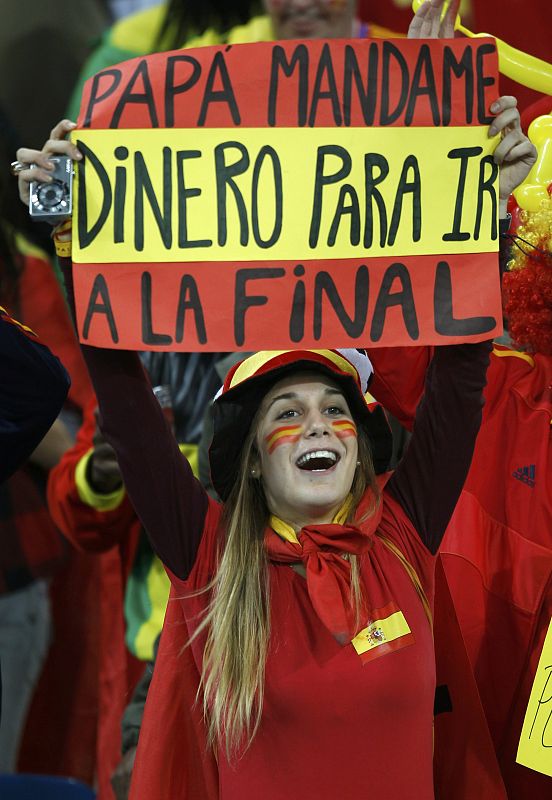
(535, 188)
(519, 66)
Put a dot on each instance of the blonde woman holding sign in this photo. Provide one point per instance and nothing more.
(297, 656)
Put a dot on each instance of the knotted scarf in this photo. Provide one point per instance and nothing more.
(321, 548)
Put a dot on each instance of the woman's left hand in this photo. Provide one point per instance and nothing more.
(427, 23)
(515, 154)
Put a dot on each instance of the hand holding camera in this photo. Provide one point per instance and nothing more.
(45, 176)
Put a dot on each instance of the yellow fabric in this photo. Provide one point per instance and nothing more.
(515, 354)
(158, 585)
(27, 248)
(286, 531)
(16, 322)
(412, 574)
(101, 502)
(380, 632)
(251, 365)
(138, 32)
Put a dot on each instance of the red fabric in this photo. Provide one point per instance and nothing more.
(328, 574)
(497, 553)
(465, 765)
(111, 537)
(43, 308)
(173, 760)
(60, 734)
(301, 742)
(31, 546)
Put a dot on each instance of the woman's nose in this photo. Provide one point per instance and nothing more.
(316, 424)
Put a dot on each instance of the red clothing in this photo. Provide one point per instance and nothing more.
(497, 552)
(112, 536)
(44, 309)
(320, 701)
(419, 500)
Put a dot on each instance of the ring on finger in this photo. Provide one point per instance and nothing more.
(18, 166)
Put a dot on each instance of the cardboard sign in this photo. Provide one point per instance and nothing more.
(535, 744)
(289, 194)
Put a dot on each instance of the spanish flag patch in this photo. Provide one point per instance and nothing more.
(389, 632)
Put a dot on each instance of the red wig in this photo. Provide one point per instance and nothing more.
(527, 286)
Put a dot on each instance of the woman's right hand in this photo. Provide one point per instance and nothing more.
(57, 144)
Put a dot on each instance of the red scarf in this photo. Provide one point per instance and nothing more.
(328, 574)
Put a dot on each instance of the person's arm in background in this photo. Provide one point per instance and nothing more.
(33, 387)
(85, 494)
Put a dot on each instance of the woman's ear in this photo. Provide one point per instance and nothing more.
(255, 468)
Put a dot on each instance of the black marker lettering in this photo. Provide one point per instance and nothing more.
(100, 290)
(324, 285)
(445, 322)
(403, 298)
(243, 301)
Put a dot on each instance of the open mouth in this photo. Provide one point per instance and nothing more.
(317, 460)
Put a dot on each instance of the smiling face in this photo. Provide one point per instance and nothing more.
(307, 444)
(311, 19)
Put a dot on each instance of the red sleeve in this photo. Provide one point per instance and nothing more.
(399, 376)
(85, 527)
(44, 309)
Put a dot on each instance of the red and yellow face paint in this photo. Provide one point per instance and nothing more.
(283, 434)
(343, 428)
(289, 434)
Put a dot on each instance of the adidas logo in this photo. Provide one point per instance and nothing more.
(526, 475)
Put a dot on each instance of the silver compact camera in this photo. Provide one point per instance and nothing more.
(53, 202)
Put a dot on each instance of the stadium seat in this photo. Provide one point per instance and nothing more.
(43, 787)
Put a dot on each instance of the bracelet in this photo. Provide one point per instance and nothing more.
(62, 245)
(63, 249)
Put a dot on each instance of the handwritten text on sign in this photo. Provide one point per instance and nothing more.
(217, 211)
(535, 744)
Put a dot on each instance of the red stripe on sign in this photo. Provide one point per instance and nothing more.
(244, 306)
(355, 83)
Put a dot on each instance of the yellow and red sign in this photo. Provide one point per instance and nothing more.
(293, 194)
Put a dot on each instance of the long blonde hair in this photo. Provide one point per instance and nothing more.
(237, 619)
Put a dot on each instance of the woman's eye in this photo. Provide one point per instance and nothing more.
(335, 411)
(287, 414)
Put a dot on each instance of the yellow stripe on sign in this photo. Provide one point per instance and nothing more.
(381, 631)
(514, 354)
(212, 194)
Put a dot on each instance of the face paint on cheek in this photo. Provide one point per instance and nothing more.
(284, 434)
(344, 428)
